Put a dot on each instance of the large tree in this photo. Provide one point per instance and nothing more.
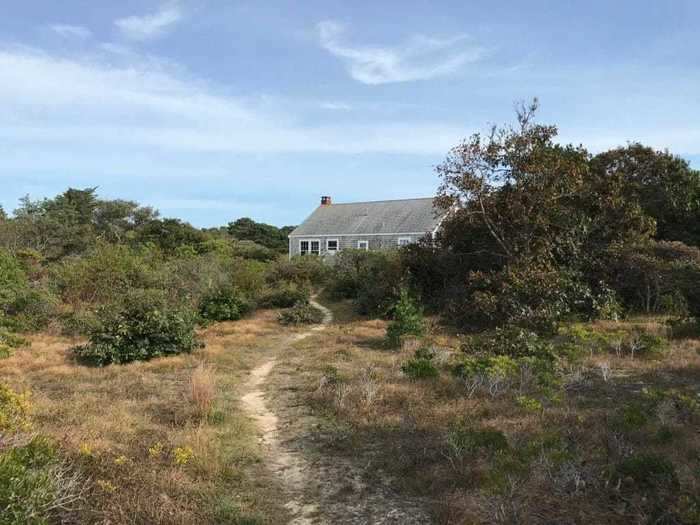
(246, 229)
(72, 222)
(665, 186)
(523, 197)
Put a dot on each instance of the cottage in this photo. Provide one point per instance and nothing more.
(374, 225)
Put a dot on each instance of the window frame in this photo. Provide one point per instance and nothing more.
(337, 246)
(309, 247)
(408, 240)
(363, 245)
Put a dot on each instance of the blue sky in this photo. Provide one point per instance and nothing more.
(215, 109)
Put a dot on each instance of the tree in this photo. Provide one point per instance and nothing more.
(528, 240)
(246, 229)
(114, 219)
(665, 186)
(170, 234)
(60, 226)
(523, 196)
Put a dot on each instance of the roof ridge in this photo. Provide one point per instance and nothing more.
(380, 201)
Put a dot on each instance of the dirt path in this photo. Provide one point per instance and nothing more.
(324, 490)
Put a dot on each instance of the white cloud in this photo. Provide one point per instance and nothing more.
(150, 26)
(71, 31)
(420, 58)
(73, 102)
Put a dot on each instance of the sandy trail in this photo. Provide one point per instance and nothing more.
(311, 488)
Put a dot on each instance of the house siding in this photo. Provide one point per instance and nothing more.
(349, 242)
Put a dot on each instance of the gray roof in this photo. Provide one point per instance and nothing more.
(353, 218)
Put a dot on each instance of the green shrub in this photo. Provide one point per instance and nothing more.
(498, 360)
(656, 276)
(284, 296)
(146, 326)
(407, 320)
(463, 442)
(529, 297)
(373, 280)
(23, 305)
(421, 366)
(647, 345)
(13, 282)
(303, 272)
(103, 275)
(251, 250)
(9, 341)
(78, 322)
(224, 304)
(649, 473)
(35, 488)
(301, 313)
(632, 416)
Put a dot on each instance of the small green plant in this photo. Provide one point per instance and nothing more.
(144, 328)
(421, 365)
(407, 320)
(224, 304)
(8, 342)
(463, 442)
(632, 416)
(530, 404)
(78, 322)
(301, 313)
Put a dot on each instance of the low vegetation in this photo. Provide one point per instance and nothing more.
(514, 427)
(301, 313)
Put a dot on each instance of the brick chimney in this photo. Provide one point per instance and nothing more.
(325, 200)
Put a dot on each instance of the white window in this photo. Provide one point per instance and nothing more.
(332, 245)
(363, 245)
(309, 246)
(404, 241)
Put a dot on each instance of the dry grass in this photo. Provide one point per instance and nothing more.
(403, 427)
(161, 441)
(203, 389)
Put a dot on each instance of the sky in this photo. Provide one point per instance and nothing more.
(211, 110)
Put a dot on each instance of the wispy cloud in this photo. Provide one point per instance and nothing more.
(335, 106)
(134, 104)
(71, 31)
(421, 57)
(147, 27)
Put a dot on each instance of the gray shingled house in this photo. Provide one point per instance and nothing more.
(374, 225)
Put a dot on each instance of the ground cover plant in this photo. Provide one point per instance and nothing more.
(514, 427)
